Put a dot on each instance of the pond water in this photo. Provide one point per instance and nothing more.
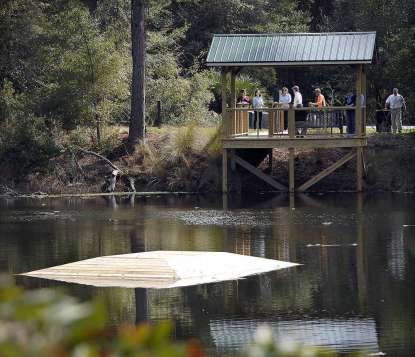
(355, 289)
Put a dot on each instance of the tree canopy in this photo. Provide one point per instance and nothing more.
(67, 63)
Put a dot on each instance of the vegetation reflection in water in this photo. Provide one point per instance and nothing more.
(353, 292)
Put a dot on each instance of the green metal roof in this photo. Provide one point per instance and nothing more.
(292, 49)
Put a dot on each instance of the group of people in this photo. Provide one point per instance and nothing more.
(395, 103)
(284, 99)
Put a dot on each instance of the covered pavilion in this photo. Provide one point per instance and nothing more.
(231, 53)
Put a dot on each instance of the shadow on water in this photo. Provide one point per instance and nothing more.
(353, 291)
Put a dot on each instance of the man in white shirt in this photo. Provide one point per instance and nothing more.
(396, 102)
(298, 98)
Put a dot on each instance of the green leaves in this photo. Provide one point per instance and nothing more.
(48, 323)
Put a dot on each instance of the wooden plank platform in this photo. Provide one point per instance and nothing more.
(269, 142)
(160, 269)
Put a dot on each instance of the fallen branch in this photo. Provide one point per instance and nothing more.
(88, 152)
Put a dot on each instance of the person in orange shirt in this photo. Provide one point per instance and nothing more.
(320, 100)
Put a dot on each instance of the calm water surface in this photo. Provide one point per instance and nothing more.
(355, 289)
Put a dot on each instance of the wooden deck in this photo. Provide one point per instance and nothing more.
(293, 129)
(160, 269)
(310, 141)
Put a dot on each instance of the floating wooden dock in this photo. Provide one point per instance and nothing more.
(160, 269)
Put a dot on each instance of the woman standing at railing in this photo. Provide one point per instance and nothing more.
(285, 100)
(257, 103)
(320, 101)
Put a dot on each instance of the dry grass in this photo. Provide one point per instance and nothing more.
(171, 158)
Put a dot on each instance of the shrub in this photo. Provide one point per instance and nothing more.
(214, 145)
(26, 146)
(184, 140)
(49, 323)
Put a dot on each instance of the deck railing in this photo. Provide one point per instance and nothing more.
(295, 123)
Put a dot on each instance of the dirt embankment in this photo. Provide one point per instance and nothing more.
(389, 161)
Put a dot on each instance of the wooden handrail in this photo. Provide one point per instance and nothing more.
(311, 109)
(239, 126)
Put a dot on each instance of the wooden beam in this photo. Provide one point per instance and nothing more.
(257, 172)
(233, 164)
(358, 115)
(291, 169)
(266, 142)
(224, 105)
(364, 90)
(326, 171)
(232, 115)
(291, 123)
(224, 170)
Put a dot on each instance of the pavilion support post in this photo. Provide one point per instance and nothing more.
(291, 134)
(224, 83)
(291, 185)
(291, 123)
(232, 114)
(358, 115)
(359, 127)
(233, 164)
(364, 86)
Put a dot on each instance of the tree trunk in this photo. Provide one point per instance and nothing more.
(137, 123)
(98, 126)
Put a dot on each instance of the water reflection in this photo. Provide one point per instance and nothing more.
(354, 289)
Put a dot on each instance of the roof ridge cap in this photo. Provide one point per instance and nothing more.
(296, 33)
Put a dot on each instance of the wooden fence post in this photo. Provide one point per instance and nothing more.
(158, 120)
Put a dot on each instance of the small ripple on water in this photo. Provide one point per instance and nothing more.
(266, 217)
(33, 216)
(220, 218)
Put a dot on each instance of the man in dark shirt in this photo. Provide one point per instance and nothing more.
(350, 114)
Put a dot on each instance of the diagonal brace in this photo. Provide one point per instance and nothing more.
(257, 172)
(326, 171)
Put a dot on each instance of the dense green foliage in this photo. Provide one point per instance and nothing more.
(49, 323)
(66, 64)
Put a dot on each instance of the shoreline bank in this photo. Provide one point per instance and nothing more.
(389, 160)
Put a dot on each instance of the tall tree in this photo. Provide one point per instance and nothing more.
(137, 122)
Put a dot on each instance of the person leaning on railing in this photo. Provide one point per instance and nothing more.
(320, 101)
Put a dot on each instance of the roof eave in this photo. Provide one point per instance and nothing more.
(280, 64)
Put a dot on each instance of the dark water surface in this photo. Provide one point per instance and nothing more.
(355, 289)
